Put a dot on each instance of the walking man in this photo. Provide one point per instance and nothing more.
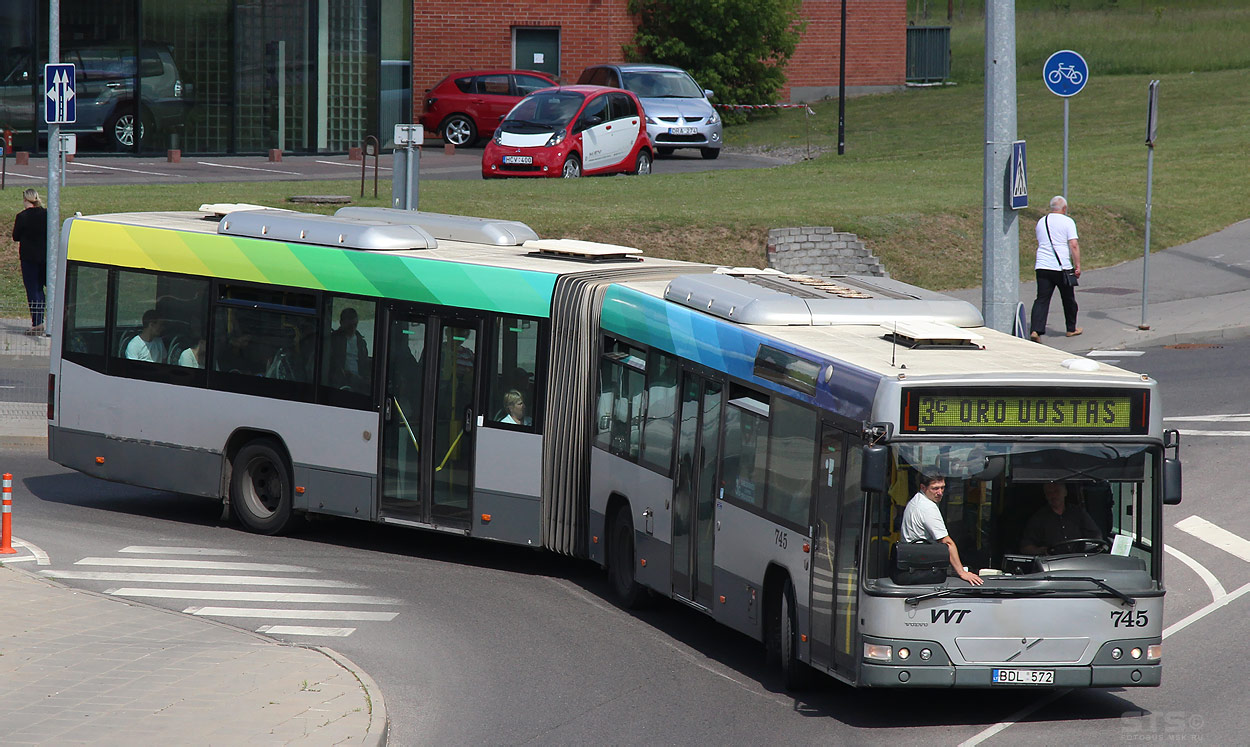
(1057, 250)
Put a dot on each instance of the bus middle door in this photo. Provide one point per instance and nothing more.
(695, 488)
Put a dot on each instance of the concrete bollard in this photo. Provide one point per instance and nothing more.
(354, 153)
(23, 158)
(173, 155)
(275, 155)
(449, 149)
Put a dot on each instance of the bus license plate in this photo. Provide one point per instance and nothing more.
(518, 159)
(683, 131)
(1024, 676)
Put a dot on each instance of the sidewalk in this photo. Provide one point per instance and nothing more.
(1199, 292)
(80, 668)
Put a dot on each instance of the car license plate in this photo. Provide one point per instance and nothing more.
(1024, 676)
(518, 159)
(683, 131)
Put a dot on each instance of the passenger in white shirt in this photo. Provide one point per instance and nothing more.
(148, 345)
(922, 520)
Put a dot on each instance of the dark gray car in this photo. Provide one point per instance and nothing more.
(104, 93)
(679, 114)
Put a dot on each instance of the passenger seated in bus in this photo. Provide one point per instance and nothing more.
(514, 409)
(349, 355)
(1057, 522)
(922, 520)
(148, 344)
(193, 355)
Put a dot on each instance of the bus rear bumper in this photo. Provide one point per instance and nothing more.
(878, 675)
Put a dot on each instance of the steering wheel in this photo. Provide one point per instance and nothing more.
(1081, 544)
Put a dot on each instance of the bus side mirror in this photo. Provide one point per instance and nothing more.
(874, 474)
(1171, 481)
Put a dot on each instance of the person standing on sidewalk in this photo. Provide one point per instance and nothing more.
(1057, 250)
(30, 231)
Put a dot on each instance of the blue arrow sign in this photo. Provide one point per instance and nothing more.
(58, 90)
(1019, 176)
(1065, 73)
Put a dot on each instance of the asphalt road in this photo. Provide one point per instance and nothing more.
(436, 163)
(479, 643)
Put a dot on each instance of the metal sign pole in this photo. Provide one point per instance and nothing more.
(1152, 125)
(54, 176)
(1065, 149)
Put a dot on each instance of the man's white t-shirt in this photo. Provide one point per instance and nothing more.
(922, 519)
(139, 349)
(1062, 228)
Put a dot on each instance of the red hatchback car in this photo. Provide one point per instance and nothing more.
(466, 106)
(570, 131)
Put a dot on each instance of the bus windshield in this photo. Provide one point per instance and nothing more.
(1013, 508)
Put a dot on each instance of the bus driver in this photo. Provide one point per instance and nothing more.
(922, 520)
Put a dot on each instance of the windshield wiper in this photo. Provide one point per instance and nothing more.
(992, 591)
(1130, 601)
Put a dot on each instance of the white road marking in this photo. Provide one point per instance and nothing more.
(291, 614)
(23, 559)
(1213, 583)
(247, 168)
(305, 630)
(340, 163)
(41, 557)
(1239, 417)
(147, 549)
(194, 578)
(132, 171)
(1188, 432)
(251, 596)
(1216, 535)
(1212, 607)
(208, 565)
(1114, 353)
(27, 176)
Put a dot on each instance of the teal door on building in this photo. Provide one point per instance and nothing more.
(536, 49)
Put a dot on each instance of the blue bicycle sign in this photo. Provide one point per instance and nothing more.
(1065, 73)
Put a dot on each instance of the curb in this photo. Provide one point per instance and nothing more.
(379, 719)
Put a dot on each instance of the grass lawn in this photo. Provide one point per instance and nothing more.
(910, 183)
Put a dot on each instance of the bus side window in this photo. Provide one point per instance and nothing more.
(660, 420)
(791, 455)
(622, 376)
(85, 324)
(746, 447)
(513, 388)
(138, 330)
(347, 345)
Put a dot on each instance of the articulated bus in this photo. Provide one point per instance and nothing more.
(742, 441)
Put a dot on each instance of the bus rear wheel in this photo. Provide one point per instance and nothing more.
(260, 487)
(625, 587)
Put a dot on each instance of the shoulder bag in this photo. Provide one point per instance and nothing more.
(1069, 276)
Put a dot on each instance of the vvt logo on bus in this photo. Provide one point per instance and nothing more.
(948, 616)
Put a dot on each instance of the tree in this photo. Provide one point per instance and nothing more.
(737, 48)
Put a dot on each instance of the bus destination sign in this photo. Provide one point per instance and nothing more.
(1016, 411)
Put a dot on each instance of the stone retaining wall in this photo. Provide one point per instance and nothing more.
(820, 250)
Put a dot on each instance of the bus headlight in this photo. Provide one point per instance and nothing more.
(1154, 651)
(903, 653)
(1135, 653)
(877, 652)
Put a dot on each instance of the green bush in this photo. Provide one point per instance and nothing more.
(736, 48)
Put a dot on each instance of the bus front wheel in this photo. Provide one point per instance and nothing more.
(628, 591)
(260, 487)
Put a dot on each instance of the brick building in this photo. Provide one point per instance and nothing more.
(564, 36)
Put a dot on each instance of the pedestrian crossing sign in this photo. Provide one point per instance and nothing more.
(1019, 177)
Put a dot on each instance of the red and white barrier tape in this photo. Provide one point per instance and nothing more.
(765, 106)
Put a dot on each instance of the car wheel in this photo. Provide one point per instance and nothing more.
(572, 168)
(664, 151)
(709, 154)
(260, 487)
(121, 128)
(459, 130)
(642, 166)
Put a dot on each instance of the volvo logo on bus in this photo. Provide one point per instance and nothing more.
(948, 616)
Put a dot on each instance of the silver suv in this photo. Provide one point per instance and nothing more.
(104, 93)
(679, 114)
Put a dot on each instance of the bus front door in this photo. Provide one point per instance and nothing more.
(429, 419)
(835, 555)
(695, 488)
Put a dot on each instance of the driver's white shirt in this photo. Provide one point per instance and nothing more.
(922, 519)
